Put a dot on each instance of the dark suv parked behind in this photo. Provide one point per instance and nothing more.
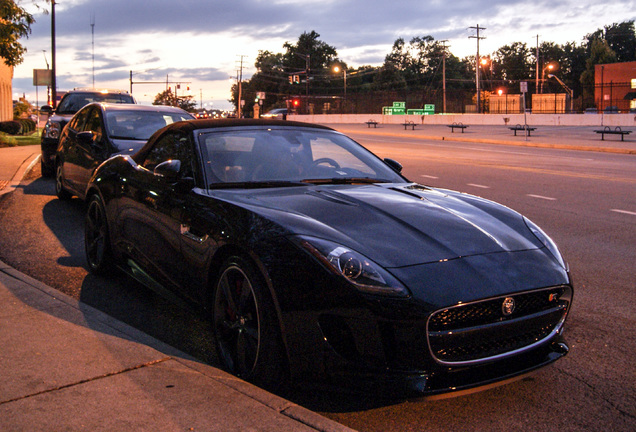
(72, 102)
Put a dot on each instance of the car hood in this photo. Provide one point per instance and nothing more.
(394, 225)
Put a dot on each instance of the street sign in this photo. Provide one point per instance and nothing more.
(523, 86)
(41, 77)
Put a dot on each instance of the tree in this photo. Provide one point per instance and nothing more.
(321, 55)
(620, 38)
(168, 98)
(308, 54)
(600, 53)
(15, 23)
(514, 61)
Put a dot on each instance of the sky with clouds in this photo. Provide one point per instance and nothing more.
(202, 41)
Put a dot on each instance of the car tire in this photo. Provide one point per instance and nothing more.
(60, 191)
(97, 246)
(246, 329)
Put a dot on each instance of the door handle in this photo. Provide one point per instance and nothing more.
(185, 231)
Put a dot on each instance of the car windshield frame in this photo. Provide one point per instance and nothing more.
(139, 125)
(70, 103)
(293, 155)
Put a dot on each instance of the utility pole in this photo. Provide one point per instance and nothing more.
(477, 64)
(537, 76)
(239, 78)
(53, 69)
(444, 73)
(93, 45)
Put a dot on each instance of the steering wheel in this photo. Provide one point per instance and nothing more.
(323, 160)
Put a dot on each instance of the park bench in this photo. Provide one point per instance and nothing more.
(372, 122)
(522, 128)
(409, 124)
(608, 130)
(457, 125)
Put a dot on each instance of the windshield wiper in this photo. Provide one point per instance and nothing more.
(345, 180)
(256, 184)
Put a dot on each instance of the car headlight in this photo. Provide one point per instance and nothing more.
(52, 130)
(546, 240)
(359, 270)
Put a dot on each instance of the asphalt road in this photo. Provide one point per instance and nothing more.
(586, 201)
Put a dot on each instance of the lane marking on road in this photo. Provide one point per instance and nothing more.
(429, 176)
(623, 212)
(541, 197)
(478, 186)
(525, 153)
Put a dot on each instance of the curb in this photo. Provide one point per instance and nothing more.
(26, 166)
(279, 405)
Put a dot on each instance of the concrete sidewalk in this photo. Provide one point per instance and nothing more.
(67, 366)
(15, 162)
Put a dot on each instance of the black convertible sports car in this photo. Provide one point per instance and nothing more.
(314, 256)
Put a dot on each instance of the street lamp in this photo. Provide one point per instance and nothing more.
(568, 90)
(336, 69)
(549, 67)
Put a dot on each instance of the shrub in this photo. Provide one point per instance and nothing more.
(28, 125)
(11, 127)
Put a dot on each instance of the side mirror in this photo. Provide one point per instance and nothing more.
(169, 170)
(85, 138)
(394, 165)
(46, 109)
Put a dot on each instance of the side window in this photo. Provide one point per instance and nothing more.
(77, 122)
(173, 145)
(94, 123)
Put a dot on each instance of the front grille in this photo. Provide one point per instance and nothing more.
(479, 331)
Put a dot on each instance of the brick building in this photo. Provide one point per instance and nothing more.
(615, 86)
(6, 92)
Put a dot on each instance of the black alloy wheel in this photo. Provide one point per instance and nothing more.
(247, 337)
(61, 193)
(96, 238)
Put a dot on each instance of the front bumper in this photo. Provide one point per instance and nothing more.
(49, 149)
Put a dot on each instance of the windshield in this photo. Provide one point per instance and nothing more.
(264, 157)
(139, 125)
(73, 102)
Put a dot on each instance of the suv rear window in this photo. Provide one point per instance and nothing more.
(73, 102)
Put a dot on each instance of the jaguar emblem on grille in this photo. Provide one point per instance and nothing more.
(508, 306)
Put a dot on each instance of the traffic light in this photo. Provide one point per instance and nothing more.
(291, 79)
(296, 103)
(296, 79)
